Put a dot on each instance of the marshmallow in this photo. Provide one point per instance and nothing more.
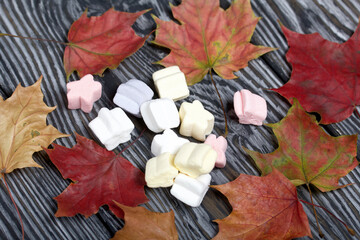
(83, 93)
(250, 108)
(130, 95)
(112, 127)
(195, 159)
(160, 114)
(167, 142)
(219, 145)
(160, 171)
(191, 190)
(195, 120)
(170, 83)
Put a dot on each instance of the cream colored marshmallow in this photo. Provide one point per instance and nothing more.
(195, 120)
(170, 83)
(195, 159)
(160, 171)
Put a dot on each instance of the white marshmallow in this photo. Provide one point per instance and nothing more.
(195, 159)
(130, 95)
(190, 190)
(160, 114)
(167, 142)
(112, 127)
(160, 171)
(170, 83)
(195, 120)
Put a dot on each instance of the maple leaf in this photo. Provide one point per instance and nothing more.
(141, 223)
(23, 128)
(263, 208)
(209, 38)
(97, 43)
(325, 74)
(306, 154)
(99, 177)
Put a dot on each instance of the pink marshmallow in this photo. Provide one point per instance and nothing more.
(83, 93)
(219, 145)
(249, 107)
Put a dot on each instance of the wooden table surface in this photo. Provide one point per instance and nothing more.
(23, 61)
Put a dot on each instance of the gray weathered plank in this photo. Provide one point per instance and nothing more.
(23, 61)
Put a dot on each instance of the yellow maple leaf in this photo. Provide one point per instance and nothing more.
(23, 128)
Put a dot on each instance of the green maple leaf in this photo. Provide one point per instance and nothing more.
(306, 154)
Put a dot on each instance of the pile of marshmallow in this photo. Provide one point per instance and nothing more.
(183, 165)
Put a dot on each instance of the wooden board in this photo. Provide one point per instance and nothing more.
(23, 61)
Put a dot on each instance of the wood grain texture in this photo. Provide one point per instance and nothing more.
(23, 61)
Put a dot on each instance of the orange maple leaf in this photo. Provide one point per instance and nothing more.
(141, 223)
(209, 37)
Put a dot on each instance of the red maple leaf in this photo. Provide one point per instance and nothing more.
(99, 177)
(263, 208)
(209, 37)
(97, 43)
(325, 75)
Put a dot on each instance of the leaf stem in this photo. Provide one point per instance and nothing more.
(17, 210)
(222, 105)
(357, 112)
(63, 43)
(350, 230)
(142, 132)
(316, 217)
(30, 38)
